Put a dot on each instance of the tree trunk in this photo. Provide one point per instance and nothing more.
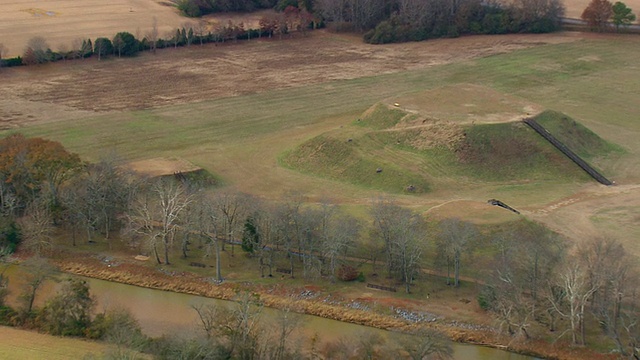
(218, 267)
(32, 297)
(456, 268)
(165, 241)
(155, 252)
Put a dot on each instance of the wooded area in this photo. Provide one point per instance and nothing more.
(539, 280)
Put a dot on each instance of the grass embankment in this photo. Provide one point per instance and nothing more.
(185, 282)
(241, 137)
(576, 136)
(413, 150)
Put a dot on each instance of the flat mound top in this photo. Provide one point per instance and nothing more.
(466, 103)
(162, 166)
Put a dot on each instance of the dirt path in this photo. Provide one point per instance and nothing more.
(597, 211)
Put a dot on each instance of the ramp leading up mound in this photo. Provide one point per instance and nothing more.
(565, 150)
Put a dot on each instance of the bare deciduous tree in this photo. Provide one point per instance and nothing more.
(152, 35)
(3, 53)
(403, 234)
(38, 270)
(156, 215)
(209, 224)
(597, 14)
(455, 239)
(233, 208)
(37, 227)
(574, 281)
(427, 344)
(338, 239)
(201, 30)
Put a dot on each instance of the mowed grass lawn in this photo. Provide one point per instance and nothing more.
(594, 81)
(29, 345)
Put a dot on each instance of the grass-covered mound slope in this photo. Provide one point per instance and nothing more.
(577, 137)
(512, 152)
(353, 162)
(417, 153)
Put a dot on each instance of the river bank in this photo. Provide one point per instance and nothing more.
(311, 302)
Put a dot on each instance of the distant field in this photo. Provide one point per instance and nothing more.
(235, 110)
(61, 22)
(30, 345)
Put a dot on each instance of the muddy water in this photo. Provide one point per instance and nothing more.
(162, 312)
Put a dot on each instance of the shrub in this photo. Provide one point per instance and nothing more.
(125, 44)
(7, 316)
(189, 8)
(347, 273)
(384, 33)
(68, 313)
(486, 298)
(9, 237)
(103, 47)
(15, 61)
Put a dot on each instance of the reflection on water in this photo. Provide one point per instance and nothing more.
(162, 312)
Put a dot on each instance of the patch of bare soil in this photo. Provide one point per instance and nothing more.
(197, 73)
(162, 166)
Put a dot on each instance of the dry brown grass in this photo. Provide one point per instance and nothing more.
(30, 345)
(61, 22)
(162, 166)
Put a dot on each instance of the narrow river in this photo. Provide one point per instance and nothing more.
(163, 312)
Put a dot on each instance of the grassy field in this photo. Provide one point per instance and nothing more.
(591, 78)
(29, 345)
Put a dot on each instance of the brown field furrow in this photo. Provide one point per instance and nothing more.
(176, 76)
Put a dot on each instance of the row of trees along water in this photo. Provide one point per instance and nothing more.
(237, 330)
(534, 283)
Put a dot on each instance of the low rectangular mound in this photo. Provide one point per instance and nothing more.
(161, 166)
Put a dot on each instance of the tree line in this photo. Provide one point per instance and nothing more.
(600, 14)
(536, 282)
(286, 22)
(238, 330)
(416, 20)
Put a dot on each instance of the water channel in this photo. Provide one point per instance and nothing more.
(162, 312)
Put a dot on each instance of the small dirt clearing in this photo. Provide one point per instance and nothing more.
(162, 167)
